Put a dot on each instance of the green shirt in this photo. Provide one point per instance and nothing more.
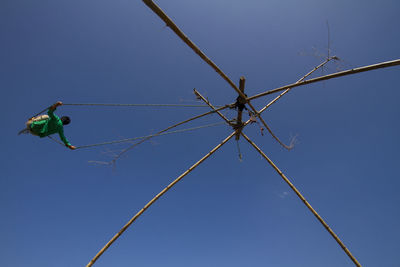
(53, 125)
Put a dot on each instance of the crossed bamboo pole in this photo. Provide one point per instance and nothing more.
(244, 99)
(302, 198)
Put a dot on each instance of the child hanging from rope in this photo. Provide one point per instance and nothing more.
(45, 125)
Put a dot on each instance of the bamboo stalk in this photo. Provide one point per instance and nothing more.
(301, 79)
(240, 111)
(304, 201)
(137, 215)
(156, 9)
(330, 76)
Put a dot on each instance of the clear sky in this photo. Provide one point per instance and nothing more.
(59, 210)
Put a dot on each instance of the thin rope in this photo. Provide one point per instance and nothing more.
(55, 140)
(151, 135)
(169, 128)
(124, 105)
(133, 105)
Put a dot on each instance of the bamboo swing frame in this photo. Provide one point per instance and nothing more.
(238, 130)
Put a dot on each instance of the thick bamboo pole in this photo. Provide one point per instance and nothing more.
(241, 100)
(304, 200)
(330, 76)
(137, 215)
(156, 9)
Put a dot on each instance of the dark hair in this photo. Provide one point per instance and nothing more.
(65, 120)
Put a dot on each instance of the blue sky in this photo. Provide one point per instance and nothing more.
(59, 210)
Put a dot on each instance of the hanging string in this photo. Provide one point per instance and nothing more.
(133, 105)
(55, 140)
(141, 137)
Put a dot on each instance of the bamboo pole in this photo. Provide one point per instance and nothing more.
(241, 100)
(156, 9)
(137, 215)
(330, 76)
(213, 108)
(304, 201)
(301, 79)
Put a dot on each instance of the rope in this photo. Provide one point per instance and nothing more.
(151, 135)
(124, 105)
(169, 128)
(140, 137)
(133, 105)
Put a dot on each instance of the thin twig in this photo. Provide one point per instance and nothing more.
(304, 200)
(156, 198)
